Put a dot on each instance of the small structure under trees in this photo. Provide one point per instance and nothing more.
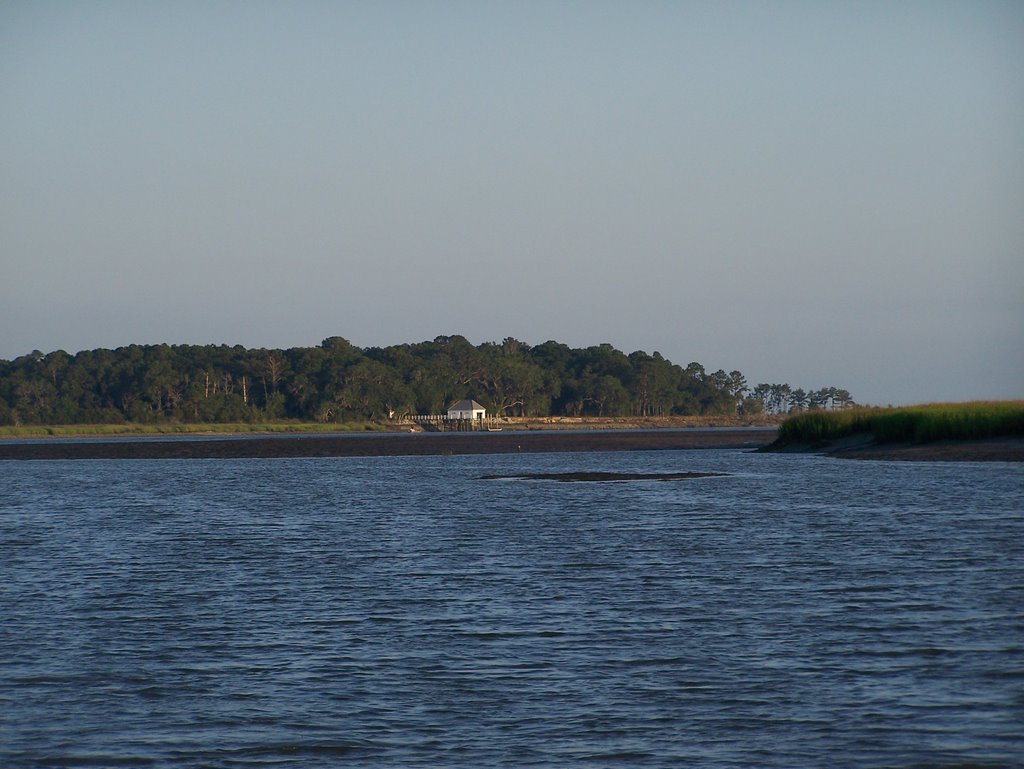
(466, 409)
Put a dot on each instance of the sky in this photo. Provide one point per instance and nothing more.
(815, 193)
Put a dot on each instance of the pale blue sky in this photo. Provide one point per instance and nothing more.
(811, 192)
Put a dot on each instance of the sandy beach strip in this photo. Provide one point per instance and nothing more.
(394, 444)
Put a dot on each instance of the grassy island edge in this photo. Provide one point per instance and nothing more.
(973, 430)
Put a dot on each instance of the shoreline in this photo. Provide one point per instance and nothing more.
(171, 430)
(390, 444)
(367, 444)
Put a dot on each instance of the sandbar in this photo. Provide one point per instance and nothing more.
(395, 444)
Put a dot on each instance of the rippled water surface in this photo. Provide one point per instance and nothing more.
(393, 612)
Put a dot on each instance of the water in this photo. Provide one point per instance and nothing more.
(400, 612)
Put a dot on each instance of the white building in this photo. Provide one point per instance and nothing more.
(466, 409)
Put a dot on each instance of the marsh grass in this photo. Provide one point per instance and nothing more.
(911, 424)
(233, 428)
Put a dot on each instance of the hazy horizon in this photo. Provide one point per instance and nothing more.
(818, 194)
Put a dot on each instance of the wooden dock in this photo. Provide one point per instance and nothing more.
(442, 423)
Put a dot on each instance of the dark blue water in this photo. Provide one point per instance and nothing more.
(394, 612)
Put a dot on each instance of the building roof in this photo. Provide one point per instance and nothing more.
(466, 405)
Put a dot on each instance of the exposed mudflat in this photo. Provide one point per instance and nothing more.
(1005, 449)
(991, 450)
(388, 445)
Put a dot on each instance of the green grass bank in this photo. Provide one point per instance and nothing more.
(909, 424)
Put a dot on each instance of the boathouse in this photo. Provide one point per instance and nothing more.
(466, 409)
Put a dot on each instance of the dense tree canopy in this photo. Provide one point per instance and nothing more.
(338, 381)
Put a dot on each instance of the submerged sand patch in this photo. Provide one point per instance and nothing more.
(599, 477)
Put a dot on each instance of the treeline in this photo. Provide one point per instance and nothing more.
(338, 382)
